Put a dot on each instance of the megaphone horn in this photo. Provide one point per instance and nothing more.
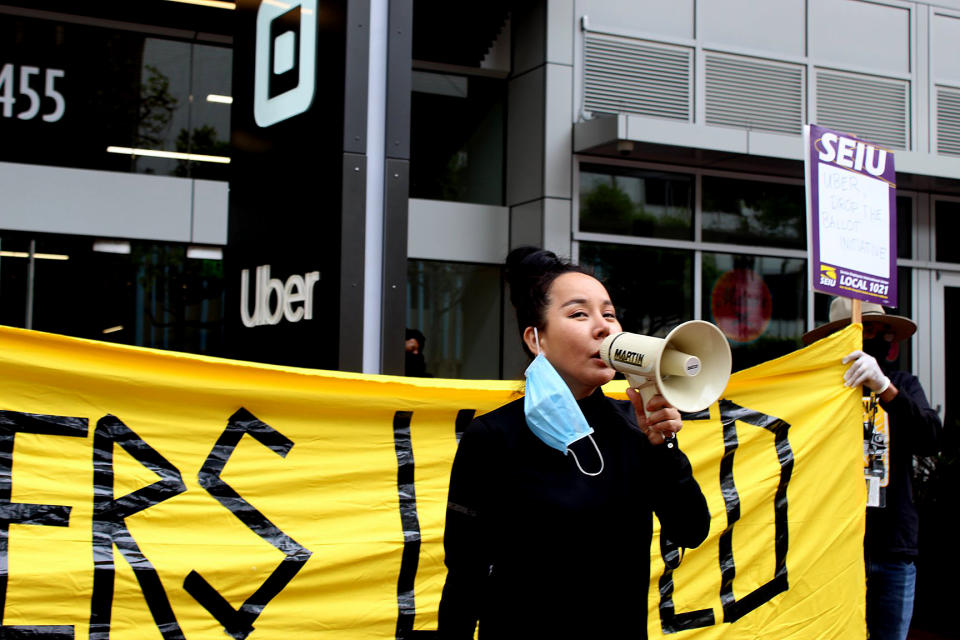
(690, 367)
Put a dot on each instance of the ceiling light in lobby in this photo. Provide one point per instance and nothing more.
(38, 256)
(175, 155)
(198, 252)
(216, 4)
(111, 246)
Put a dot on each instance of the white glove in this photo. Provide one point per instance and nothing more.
(864, 371)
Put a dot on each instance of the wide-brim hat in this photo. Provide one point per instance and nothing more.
(840, 312)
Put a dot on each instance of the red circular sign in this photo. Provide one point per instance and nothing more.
(741, 304)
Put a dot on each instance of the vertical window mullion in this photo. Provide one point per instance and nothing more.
(697, 254)
(697, 285)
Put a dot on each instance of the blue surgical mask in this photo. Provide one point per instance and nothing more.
(552, 413)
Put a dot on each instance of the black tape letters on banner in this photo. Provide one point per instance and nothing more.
(730, 414)
(670, 620)
(110, 529)
(733, 608)
(239, 623)
(410, 520)
(11, 423)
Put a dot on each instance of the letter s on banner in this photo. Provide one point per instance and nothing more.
(238, 623)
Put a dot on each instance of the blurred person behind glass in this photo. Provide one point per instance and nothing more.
(414, 363)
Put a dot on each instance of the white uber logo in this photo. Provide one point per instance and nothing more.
(277, 54)
(274, 299)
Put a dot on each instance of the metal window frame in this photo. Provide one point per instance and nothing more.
(698, 247)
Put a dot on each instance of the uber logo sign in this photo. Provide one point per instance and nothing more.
(274, 299)
(284, 71)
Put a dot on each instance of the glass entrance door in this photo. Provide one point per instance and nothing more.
(946, 341)
(936, 480)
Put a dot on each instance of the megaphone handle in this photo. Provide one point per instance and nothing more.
(648, 388)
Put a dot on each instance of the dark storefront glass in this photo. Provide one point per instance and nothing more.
(758, 302)
(458, 307)
(651, 288)
(904, 227)
(935, 483)
(457, 138)
(947, 230)
(153, 296)
(68, 92)
(751, 212)
(636, 203)
(904, 308)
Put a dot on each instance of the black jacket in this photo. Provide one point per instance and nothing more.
(915, 428)
(535, 548)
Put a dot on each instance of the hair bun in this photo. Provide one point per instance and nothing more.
(529, 264)
(530, 271)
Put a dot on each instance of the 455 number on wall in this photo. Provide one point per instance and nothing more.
(24, 80)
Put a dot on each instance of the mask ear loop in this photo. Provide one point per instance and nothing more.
(587, 473)
(536, 335)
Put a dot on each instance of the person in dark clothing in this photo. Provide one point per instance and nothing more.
(540, 544)
(415, 363)
(904, 426)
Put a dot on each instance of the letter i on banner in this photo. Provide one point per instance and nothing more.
(851, 216)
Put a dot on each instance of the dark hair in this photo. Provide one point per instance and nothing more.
(530, 272)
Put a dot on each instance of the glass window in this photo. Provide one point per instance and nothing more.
(951, 313)
(821, 308)
(635, 277)
(904, 227)
(636, 203)
(98, 89)
(458, 309)
(457, 138)
(13, 279)
(754, 213)
(758, 302)
(904, 308)
(947, 230)
(153, 296)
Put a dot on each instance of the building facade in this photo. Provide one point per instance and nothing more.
(151, 192)
(641, 138)
(658, 142)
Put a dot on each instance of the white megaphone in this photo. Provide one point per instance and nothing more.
(690, 367)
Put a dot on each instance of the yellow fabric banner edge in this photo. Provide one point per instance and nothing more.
(35, 340)
(126, 355)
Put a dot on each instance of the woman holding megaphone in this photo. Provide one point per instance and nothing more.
(551, 496)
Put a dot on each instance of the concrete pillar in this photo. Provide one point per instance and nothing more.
(540, 126)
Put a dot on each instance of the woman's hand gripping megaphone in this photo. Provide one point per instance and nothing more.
(657, 418)
(688, 369)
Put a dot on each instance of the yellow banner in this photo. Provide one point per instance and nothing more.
(148, 494)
